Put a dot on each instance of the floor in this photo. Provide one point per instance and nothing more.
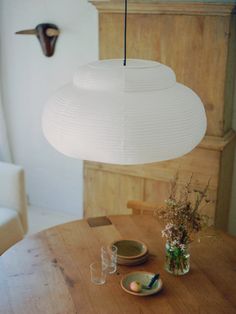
(40, 219)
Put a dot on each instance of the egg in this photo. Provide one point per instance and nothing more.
(135, 286)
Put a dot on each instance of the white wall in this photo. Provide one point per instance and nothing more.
(28, 78)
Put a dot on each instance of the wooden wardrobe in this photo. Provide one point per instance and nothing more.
(197, 40)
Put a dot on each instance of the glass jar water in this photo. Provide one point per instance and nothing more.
(177, 260)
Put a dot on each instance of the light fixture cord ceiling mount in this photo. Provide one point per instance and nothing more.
(125, 31)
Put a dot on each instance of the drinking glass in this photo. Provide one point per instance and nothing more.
(109, 258)
(98, 272)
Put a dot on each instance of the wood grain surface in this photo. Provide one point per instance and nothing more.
(48, 272)
(187, 44)
(108, 188)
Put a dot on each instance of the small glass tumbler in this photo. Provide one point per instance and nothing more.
(98, 273)
(109, 258)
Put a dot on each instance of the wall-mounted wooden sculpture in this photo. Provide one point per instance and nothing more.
(47, 35)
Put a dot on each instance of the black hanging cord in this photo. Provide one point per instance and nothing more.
(125, 31)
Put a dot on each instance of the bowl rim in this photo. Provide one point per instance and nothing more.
(125, 257)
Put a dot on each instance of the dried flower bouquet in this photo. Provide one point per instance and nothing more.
(182, 217)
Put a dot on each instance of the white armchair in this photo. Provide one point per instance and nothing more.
(13, 205)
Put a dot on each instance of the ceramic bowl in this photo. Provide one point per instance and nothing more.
(144, 278)
(130, 249)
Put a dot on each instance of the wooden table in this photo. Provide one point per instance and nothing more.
(49, 273)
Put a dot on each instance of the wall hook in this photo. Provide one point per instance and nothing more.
(47, 35)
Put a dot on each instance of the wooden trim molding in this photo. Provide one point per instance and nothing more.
(166, 7)
(206, 153)
(216, 142)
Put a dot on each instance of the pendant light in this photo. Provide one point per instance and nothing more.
(124, 112)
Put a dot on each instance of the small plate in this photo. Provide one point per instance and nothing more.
(130, 249)
(144, 278)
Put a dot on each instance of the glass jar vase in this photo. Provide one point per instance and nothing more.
(177, 260)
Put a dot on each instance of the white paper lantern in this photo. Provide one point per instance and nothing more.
(130, 114)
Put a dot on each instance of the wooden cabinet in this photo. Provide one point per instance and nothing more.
(197, 40)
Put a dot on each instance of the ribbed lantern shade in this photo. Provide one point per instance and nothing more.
(130, 114)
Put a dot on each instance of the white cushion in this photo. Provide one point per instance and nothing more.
(12, 190)
(11, 230)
